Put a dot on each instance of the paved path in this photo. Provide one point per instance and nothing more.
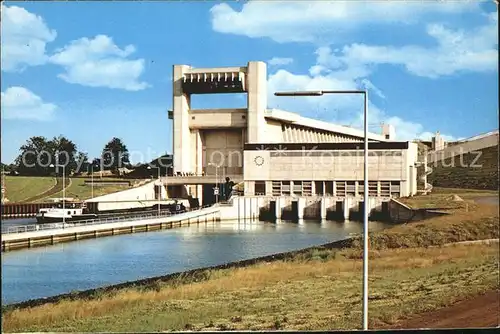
(487, 200)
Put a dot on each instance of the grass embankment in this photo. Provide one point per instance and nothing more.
(33, 189)
(80, 189)
(442, 198)
(476, 170)
(21, 188)
(317, 290)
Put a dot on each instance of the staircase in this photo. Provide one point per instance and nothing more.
(427, 171)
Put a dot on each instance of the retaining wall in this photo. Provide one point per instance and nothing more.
(13, 241)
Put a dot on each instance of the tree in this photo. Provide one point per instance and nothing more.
(6, 168)
(115, 155)
(64, 153)
(82, 163)
(96, 162)
(38, 153)
(34, 158)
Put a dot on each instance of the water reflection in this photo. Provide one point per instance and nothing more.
(85, 264)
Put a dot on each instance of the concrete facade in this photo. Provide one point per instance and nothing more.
(273, 208)
(330, 169)
(137, 197)
(465, 146)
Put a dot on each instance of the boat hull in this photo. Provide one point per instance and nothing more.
(42, 219)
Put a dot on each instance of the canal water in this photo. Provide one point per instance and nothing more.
(86, 264)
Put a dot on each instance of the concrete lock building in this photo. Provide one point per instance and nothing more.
(278, 155)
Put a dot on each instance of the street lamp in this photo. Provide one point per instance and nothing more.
(92, 179)
(159, 189)
(216, 180)
(64, 191)
(365, 204)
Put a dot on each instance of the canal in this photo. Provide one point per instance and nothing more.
(86, 264)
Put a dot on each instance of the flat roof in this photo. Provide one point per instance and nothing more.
(394, 145)
(294, 118)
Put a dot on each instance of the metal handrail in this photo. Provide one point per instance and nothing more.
(53, 226)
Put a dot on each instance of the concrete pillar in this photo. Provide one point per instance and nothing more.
(301, 205)
(197, 141)
(374, 204)
(347, 207)
(181, 107)
(278, 207)
(289, 134)
(197, 159)
(323, 207)
(249, 188)
(269, 188)
(257, 101)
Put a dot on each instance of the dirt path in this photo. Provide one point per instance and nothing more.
(477, 312)
(54, 190)
(493, 200)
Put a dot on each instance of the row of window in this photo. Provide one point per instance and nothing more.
(328, 188)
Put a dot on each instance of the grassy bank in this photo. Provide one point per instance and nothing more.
(320, 289)
(28, 188)
(20, 188)
(79, 189)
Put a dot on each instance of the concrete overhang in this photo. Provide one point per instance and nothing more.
(217, 118)
(296, 119)
(195, 180)
(217, 69)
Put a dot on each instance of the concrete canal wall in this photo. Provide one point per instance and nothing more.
(11, 241)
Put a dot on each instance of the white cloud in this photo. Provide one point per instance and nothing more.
(343, 66)
(310, 21)
(99, 62)
(457, 51)
(24, 37)
(96, 62)
(21, 103)
(277, 61)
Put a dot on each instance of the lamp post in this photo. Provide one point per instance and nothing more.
(92, 179)
(3, 185)
(159, 189)
(216, 181)
(365, 204)
(63, 190)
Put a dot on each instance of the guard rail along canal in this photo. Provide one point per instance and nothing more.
(39, 235)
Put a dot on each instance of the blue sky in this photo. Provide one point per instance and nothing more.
(94, 70)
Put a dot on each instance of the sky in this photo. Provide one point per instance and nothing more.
(92, 71)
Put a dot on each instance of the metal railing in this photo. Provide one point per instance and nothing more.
(53, 226)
